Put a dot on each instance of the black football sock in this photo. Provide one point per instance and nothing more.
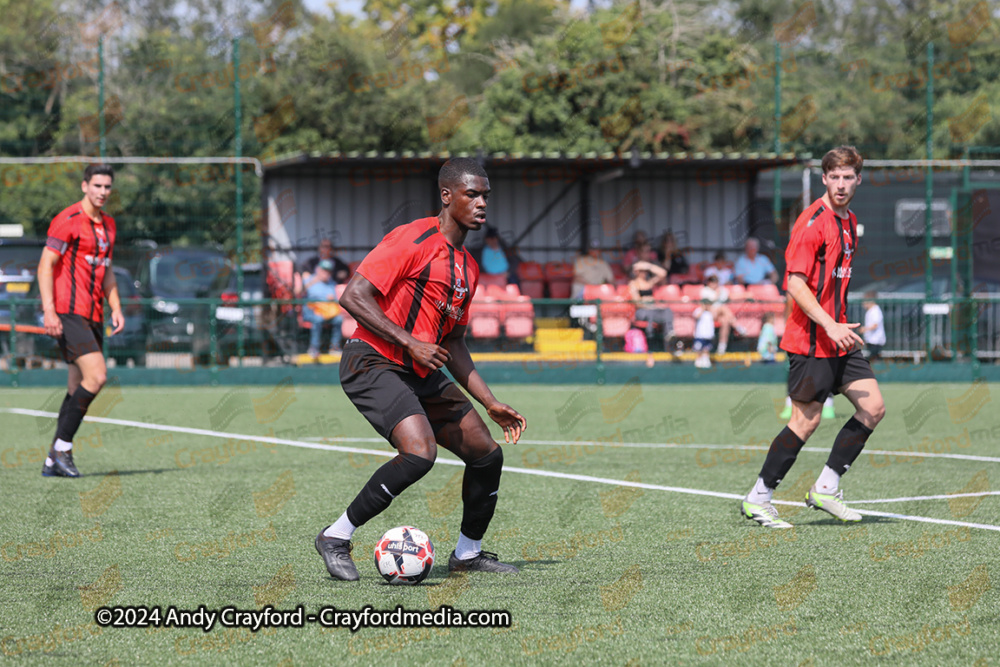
(479, 493)
(78, 405)
(388, 482)
(848, 445)
(62, 415)
(780, 457)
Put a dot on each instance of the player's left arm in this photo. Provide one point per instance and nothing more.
(114, 300)
(464, 370)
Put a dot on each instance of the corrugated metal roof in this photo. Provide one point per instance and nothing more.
(708, 160)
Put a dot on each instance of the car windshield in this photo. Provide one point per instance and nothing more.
(182, 274)
(19, 260)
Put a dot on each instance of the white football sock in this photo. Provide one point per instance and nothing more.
(63, 446)
(342, 528)
(828, 481)
(828, 403)
(760, 493)
(467, 548)
(788, 401)
(48, 462)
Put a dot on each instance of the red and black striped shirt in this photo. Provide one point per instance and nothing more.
(425, 284)
(821, 248)
(86, 247)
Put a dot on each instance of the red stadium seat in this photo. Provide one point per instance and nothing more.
(484, 316)
(736, 292)
(559, 277)
(764, 292)
(517, 313)
(532, 279)
(692, 292)
(493, 279)
(616, 312)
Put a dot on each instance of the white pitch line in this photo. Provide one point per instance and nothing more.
(681, 445)
(947, 496)
(523, 471)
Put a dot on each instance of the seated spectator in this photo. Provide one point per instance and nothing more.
(494, 259)
(631, 255)
(752, 268)
(322, 290)
(671, 257)
(720, 268)
(591, 269)
(646, 276)
(341, 272)
(713, 299)
(767, 342)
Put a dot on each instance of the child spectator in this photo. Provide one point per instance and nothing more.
(874, 328)
(322, 290)
(767, 342)
(715, 298)
(720, 268)
(704, 332)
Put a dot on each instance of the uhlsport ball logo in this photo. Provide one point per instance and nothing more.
(404, 555)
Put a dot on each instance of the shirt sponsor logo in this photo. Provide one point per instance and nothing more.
(842, 272)
(97, 261)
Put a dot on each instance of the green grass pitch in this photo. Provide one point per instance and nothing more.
(610, 574)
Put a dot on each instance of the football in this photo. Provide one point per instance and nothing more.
(404, 555)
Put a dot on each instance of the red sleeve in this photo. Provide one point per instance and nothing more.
(62, 231)
(393, 259)
(803, 247)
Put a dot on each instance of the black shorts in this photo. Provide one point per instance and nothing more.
(812, 379)
(79, 337)
(386, 393)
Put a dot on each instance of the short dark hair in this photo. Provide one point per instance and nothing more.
(98, 170)
(454, 169)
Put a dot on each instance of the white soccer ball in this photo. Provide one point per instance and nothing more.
(404, 555)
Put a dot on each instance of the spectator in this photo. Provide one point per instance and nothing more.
(631, 256)
(752, 268)
(874, 328)
(671, 257)
(341, 272)
(704, 332)
(767, 342)
(494, 259)
(591, 269)
(647, 276)
(720, 268)
(713, 299)
(322, 290)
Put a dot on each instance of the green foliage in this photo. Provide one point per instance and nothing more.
(470, 75)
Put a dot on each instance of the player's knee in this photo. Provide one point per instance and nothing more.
(875, 414)
(418, 465)
(96, 381)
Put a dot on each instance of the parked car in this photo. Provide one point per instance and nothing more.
(168, 274)
(257, 339)
(18, 266)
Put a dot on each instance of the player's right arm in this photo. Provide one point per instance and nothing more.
(842, 335)
(359, 300)
(46, 268)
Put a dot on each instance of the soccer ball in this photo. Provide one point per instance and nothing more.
(404, 555)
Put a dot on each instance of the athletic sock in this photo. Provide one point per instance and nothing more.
(848, 445)
(70, 420)
(388, 482)
(828, 403)
(480, 486)
(467, 548)
(342, 528)
(62, 445)
(788, 401)
(760, 494)
(780, 457)
(828, 481)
